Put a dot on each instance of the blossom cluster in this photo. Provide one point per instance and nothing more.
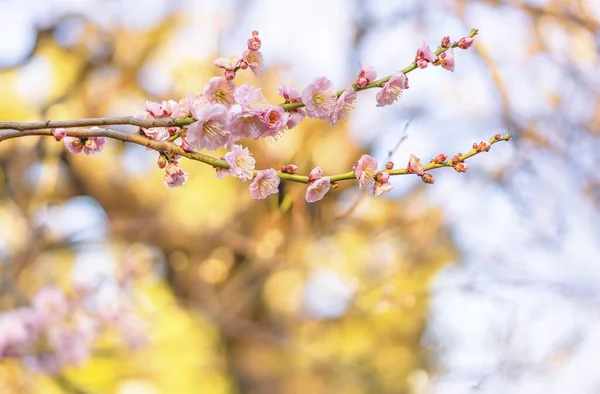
(224, 113)
(58, 330)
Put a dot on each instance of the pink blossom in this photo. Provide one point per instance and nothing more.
(219, 90)
(290, 94)
(51, 304)
(183, 108)
(251, 99)
(365, 170)
(93, 145)
(366, 75)
(266, 182)
(157, 133)
(296, 116)
(175, 176)
(382, 184)
(15, 333)
(414, 165)
(73, 144)
(275, 119)
(424, 56)
(244, 125)
(343, 106)
(392, 89)
(241, 163)
(446, 59)
(317, 189)
(319, 98)
(445, 42)
(315, 174)
(254, 42)
(168, 107)
(59, 133)
(209, 131)
(254, 59)
(154, 109)
(229, 64)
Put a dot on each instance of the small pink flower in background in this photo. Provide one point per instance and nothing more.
(319, 98)
(183, 108)
(51, 304)
(366, 75)
(446, 60)
(290, 94)
(73, 144)
(365, 170)
(251, 100)
(265, 183)
(414, 165)
(317, 189)
(315, 174)
(382, 184)
(275, 119)
(424, 56)
(59, 133)
(343, 106)
(219, 90)
(254, 59)
(93, 145)
(15, 332)
(241, 163)
(465, 43)
(254, 42)
(392, 89)
(175, 176)
(209, 131)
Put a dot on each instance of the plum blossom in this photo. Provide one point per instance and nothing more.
(343, 106)
(219, 90)
(241, 163)
(366, 75)
(317, 189)
(446, 60)
(365, 170)
(266, 182)
(209, 131)
(229, 64)
(254, 60)
(414, 165)
(275, 119)
(51, 304)
(290, 94)
(319, 98)
(392, 89)
(88, 145)
(251, 99)
(424, 56)
(465, 43)
(382, 184)
(175, 176)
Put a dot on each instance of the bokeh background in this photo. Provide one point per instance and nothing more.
(486, 282)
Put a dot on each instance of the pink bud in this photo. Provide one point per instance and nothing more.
(465, 43)
(414, 165)
(229, 74)
(439, 159)
(162, 162)
(59, 134)
(461, 166)
(389, 165)
(254, 42)
(289, 169)
(446, 42)
(315, 174)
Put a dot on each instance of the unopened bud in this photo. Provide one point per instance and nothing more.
(254, 42)
(335, 185)
(389, 165)
(439, 159)
(474, 145)
(461, 166)
(465, 43)
(446, 42)
(428, 178)
(59, 134)
(456, 159)
(484, 147)
(289, 169)
(162, 162)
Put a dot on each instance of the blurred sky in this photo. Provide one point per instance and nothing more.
(526, 285)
